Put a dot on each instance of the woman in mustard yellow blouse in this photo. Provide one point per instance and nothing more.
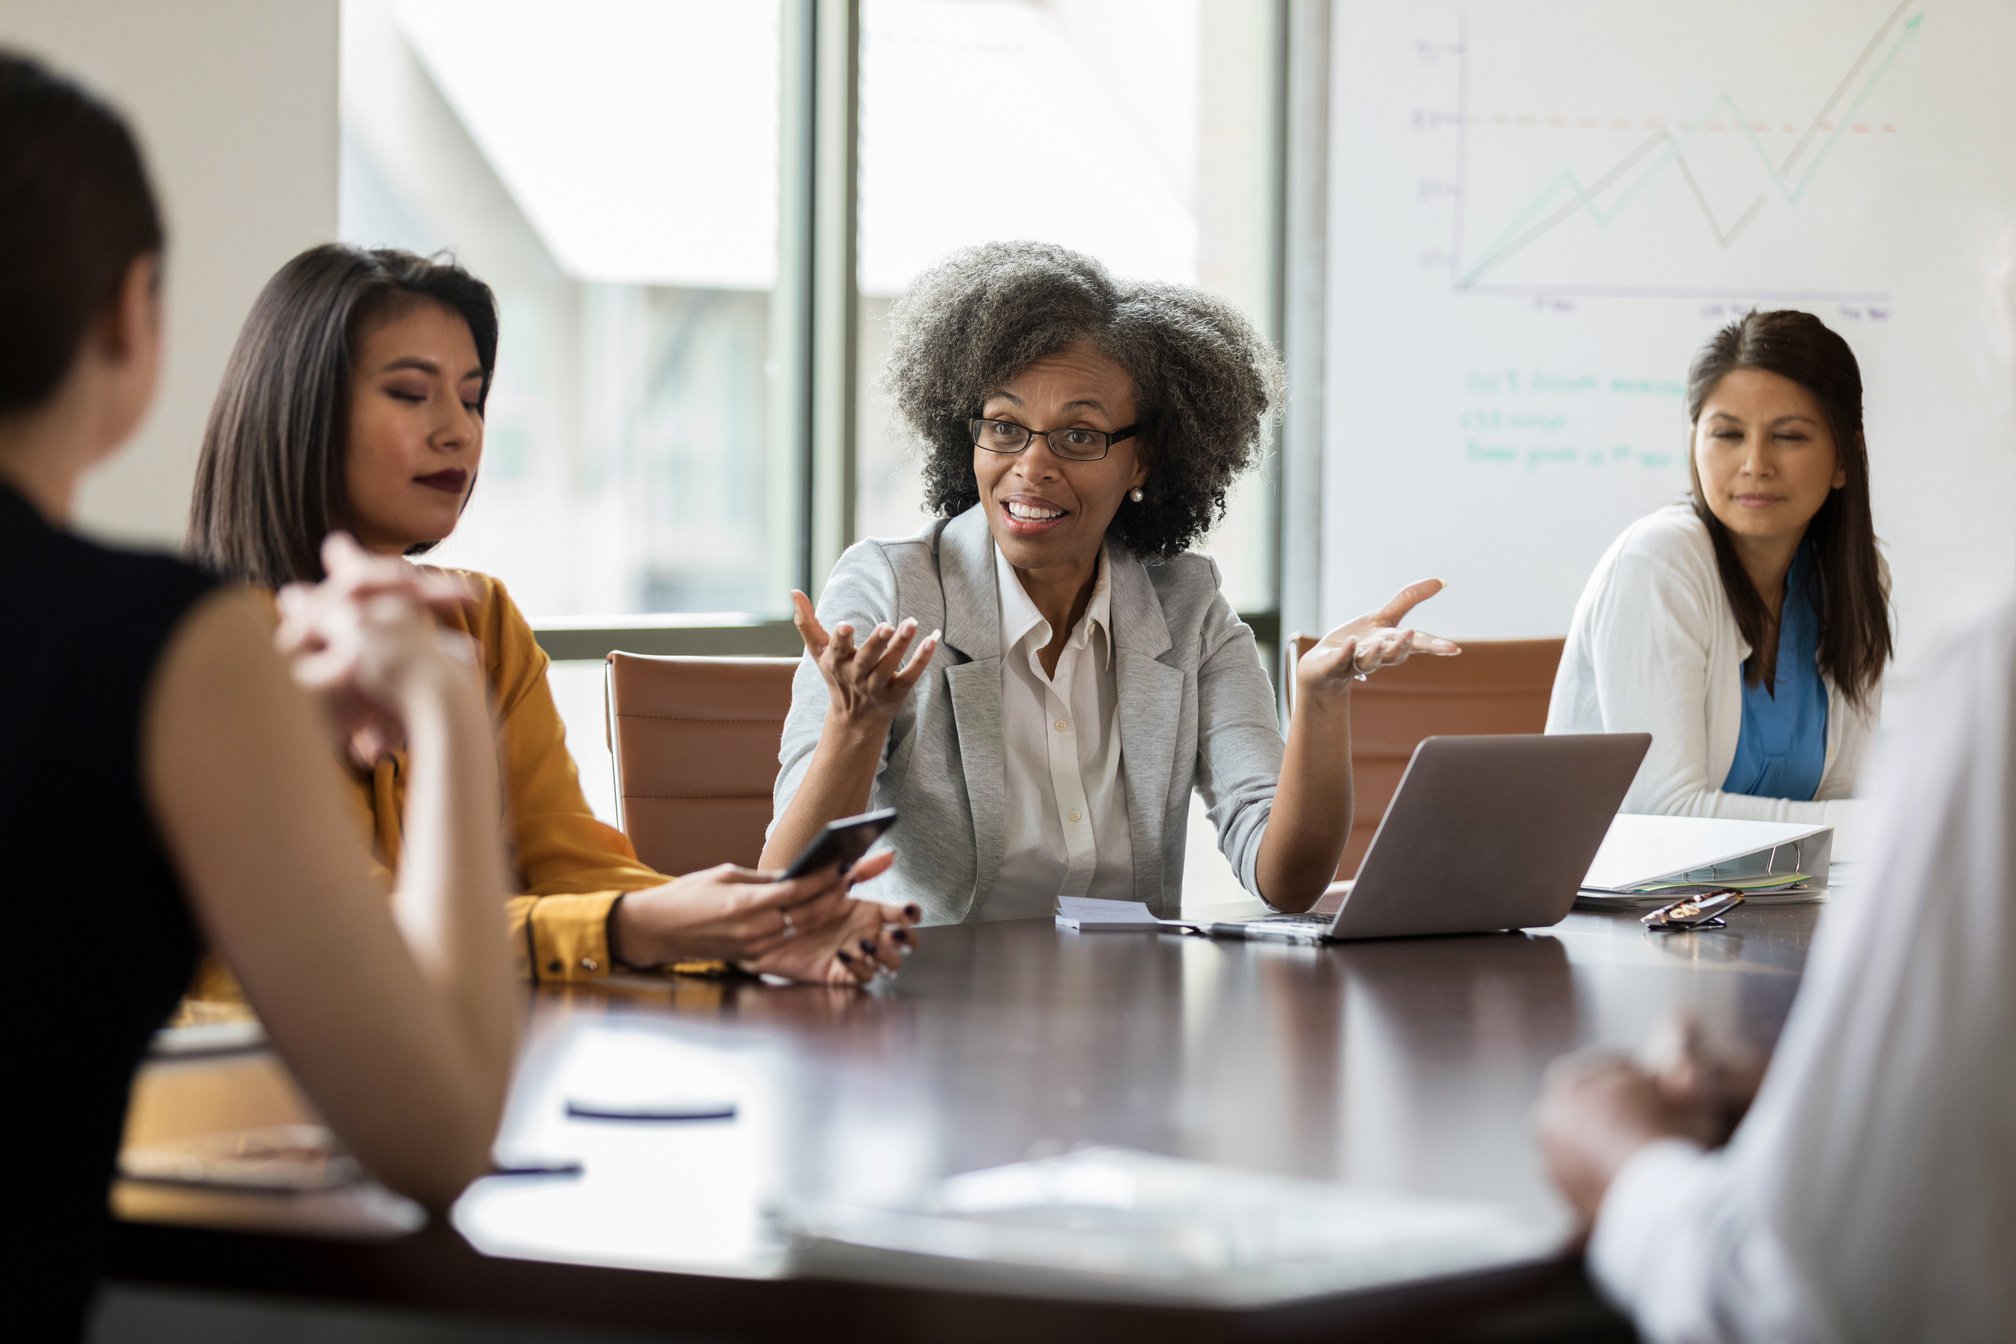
(354, 401)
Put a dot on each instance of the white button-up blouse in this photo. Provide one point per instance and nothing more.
(1066, 829)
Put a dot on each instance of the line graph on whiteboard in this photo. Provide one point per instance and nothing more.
(1559, 188)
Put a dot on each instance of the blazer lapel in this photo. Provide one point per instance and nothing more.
(972, 598)
(1150, 695)
(973, 631)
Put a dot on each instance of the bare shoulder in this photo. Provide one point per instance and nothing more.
(221, 707)
(231, 748)
(218, 672)
(228, 634)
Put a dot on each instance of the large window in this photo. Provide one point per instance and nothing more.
(682, 428)
(611, 168)
(1140, 132)
(614, 168)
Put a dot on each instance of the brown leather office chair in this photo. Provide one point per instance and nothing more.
(1496, 686)
(695, 746)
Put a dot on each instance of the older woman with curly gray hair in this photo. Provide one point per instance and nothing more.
(1083, 671)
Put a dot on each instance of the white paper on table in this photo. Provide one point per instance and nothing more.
(1640, 850)
(1087, 914)
(1109, 1222)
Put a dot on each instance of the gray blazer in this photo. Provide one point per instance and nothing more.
(1196, 711)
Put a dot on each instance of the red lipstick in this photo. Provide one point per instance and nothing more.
(450, 481)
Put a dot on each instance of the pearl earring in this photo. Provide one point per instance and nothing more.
(1136, 495)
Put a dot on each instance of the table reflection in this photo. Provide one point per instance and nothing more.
(1407, 1065)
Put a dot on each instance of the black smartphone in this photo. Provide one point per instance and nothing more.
(842, 842)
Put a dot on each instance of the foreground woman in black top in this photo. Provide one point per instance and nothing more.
(150, 738)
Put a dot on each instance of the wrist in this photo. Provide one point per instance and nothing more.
(634, 939)
(435, 678)
(1323, 697)
(859, 727)
(612, 934)
(1318, 675)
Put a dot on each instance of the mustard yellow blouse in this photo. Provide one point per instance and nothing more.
(570, 866)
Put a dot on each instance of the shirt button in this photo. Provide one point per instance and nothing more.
(1063, 725)
(588, 963)
(1076, 815)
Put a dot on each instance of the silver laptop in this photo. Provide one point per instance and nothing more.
(1483, 833)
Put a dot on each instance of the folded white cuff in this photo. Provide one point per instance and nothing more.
(1633, 1243)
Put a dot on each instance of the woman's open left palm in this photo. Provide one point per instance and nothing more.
(1356, 649)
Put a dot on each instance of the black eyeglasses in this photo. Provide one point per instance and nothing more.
(1076, 445)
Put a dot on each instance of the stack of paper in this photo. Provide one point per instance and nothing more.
(1109, 1222)
(1086, 914)
(1647, 859)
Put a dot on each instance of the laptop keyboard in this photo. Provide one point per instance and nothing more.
(1294, 921)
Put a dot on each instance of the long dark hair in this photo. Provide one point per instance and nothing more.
(76, 212)
(1855, 640)
(270, 482)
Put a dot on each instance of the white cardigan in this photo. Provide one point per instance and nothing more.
(1654, 648)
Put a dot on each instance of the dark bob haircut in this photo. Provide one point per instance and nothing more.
(270, 482)
(1855, 639)
(76, 212)
(1204, 381)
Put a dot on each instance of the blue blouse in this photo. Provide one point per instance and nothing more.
(1782, 749)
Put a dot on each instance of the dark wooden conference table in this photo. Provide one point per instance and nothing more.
(1407, 1065)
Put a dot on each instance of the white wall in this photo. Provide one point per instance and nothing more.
(234, 102)
(1514, 300)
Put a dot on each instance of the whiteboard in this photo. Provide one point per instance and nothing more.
(1540, 210)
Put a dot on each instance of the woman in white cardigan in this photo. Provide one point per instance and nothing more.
(1748, 629)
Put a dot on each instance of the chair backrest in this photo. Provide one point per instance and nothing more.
(695, 747)
(1496, 686)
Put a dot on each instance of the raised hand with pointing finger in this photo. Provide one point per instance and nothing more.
(1356, 649)
(1311, 819)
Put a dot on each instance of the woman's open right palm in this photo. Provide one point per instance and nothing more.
(868, 682)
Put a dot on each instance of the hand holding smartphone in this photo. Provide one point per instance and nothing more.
(843, 842)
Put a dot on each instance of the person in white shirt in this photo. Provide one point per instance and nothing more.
(1870, 1192)
(1746, 630)
(1083, 672)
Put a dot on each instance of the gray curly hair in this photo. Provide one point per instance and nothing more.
(1204, 381)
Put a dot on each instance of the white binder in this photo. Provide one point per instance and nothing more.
(1648, 857)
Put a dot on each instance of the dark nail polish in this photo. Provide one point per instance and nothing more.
(913, 911)
(868, 947)
(844, 957)
(901, 935)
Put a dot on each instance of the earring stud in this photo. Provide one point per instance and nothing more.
(1136, 495)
